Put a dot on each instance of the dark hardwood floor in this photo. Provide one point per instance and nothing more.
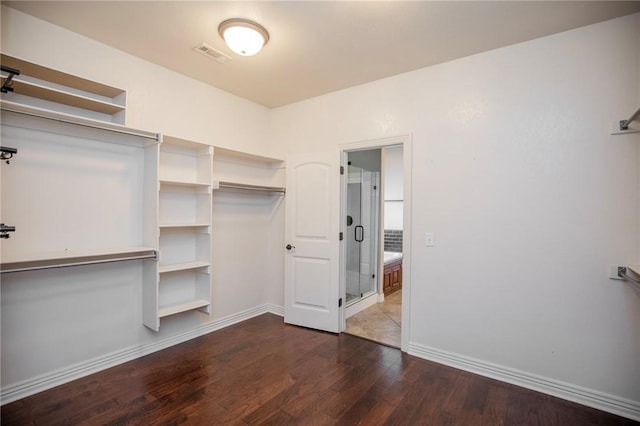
(264, 372)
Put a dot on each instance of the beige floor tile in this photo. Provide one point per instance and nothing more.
(380, 322)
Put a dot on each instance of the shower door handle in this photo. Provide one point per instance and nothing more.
(361, 228)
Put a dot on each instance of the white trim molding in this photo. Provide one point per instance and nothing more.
(589, 397)
(16, 391)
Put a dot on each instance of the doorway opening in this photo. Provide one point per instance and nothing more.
(373, 250)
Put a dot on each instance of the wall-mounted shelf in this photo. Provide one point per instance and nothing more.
(55, 90)
(168, 310)
(140, 138)
(247, 187)
(634, 268)
(40, 91)
(241, 171)
(182, 266)
(184, 183)
(74, 258)
(184, 225)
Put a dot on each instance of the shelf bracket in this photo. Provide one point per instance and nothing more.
(624, 124)
(8, 81)
(7, 153)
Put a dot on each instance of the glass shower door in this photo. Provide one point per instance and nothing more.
(361, 236)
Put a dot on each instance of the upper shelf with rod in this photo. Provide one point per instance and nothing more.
(627, 126)
(35, 85)
(240, 171)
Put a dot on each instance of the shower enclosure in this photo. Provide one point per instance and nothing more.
(363, 188)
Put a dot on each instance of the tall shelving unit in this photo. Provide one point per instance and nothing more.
(184, 229)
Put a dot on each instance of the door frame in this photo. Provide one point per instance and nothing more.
(406, 142)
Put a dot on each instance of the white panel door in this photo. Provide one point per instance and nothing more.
(311, 236)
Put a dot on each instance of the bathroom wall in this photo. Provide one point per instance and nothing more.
(393, 189)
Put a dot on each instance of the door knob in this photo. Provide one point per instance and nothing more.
(289, 247)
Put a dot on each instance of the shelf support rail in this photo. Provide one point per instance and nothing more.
(622, 273)
(8, 81)
(259, 188)
(624, 124)
(156, 137)
(76, 261)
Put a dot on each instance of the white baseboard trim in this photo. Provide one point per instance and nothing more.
(275, 309)
(58, 377)
(589, 397)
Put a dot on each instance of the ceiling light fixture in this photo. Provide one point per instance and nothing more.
(243, 36)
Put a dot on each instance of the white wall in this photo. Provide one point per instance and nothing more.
(393, 187)
(528, 196)
(61, 322)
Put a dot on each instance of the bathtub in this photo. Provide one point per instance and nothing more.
(391, 256)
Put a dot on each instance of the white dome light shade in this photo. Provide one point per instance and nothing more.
(244, 37)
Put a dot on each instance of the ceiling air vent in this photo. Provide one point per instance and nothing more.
(212, 53)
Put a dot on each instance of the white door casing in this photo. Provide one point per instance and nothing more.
(312, 231)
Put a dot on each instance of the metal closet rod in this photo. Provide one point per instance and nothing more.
(624, 124)
(156, 137)
(90, 260)
(258, 188)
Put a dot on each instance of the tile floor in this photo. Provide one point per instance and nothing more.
(380, 322)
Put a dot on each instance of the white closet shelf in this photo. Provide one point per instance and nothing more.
(165, 311)
(145, 138)
(39, 91)
(74, 258)
(247, 187)
(225, 152)
(59, 77)
(182, 266)
(184, 183)
(184, 225)
(634, 268)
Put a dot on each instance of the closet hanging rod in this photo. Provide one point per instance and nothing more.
(97, 126)
(624, 124)
(246, 187)
(75, 261)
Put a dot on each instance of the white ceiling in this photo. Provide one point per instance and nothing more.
(317, 47)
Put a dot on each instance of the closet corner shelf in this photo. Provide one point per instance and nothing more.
(146, 138)
(182, 266)
(165, 311)
(75, 258)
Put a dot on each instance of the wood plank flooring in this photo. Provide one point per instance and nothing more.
(264, 372)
